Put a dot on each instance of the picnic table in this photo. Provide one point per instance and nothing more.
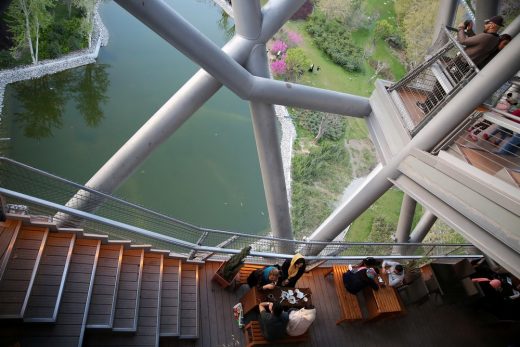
(255, 296)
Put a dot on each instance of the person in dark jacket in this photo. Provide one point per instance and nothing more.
(265, 278)
(273, 320)
(292, 270)
(477, 47)
(355, 281)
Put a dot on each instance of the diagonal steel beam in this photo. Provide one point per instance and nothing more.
(171, 26)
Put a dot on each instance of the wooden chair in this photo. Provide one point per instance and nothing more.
(253, 336)
(348, 303)
(244, 272)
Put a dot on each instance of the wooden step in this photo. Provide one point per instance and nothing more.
(72, 314)
(189, 328)
(127, 303)
(147, 332)
(19, 274)
(104, 293)
(8, 233)
(50, 279)
(170, 294)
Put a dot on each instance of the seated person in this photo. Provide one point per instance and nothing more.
(368, 262)
(265, 278)
(355, 281)
(395, 272)
(292, 270)
(300, 320)
(273, 322)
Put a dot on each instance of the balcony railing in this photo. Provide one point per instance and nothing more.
(489, 139)
(427, 88)
(40, 195)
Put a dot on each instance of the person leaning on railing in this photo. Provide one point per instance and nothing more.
(477, 47)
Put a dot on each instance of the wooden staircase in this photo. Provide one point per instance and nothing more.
(62, 287)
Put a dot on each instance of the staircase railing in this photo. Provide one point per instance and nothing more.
(427, 88)
(38, 193)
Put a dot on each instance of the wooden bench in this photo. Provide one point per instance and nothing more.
(254, 337)
(348, 303)
(244, 272)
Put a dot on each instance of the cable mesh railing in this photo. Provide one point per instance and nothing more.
(490, 141)
(36, 193)
(426, 89)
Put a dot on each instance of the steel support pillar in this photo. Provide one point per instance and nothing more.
(445, 16)
(423, 227)
(404, 225)
(514, 28)
(268, 147)
(487, 81)
(264, 127)
(484, 9)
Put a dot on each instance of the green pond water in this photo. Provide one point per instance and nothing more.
(70, 123)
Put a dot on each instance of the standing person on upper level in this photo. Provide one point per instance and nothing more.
(292, 270)
(395, 272)
(477, 47)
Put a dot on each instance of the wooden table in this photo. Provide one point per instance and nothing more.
(383, 302)
(255, 296)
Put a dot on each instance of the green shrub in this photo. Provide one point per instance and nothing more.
(6, 60)
(332, 125)
(332, 38)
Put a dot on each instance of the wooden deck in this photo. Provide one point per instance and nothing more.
(166, 301)
(431, 324)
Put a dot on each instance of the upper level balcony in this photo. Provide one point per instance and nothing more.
(470, 178)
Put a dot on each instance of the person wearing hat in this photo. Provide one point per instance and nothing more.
(354, 282)
(478, 47)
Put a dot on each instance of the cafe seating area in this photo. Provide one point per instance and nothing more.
(439, 285)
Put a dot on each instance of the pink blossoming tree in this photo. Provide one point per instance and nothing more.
(278, 67)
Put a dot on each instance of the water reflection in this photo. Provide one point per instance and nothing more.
(92, 84)
(39, 116)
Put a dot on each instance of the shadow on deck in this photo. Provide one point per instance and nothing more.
(430, 324)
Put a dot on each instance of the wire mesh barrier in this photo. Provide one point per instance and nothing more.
(43, 197)
(427, 88)
(490, 141)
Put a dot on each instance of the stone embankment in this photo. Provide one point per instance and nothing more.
(51, 66)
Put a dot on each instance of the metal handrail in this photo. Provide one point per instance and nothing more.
(207, 242)
(189, 246)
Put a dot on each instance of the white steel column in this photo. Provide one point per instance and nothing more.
(248, 21)
(268, 147)
(404, 225)
(447, 10)
(423, 227)
(505, 65)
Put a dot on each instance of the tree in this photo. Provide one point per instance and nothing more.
(26, 19)
(88, 7)
(297, 63)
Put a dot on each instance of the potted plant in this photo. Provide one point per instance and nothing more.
(229, 269)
